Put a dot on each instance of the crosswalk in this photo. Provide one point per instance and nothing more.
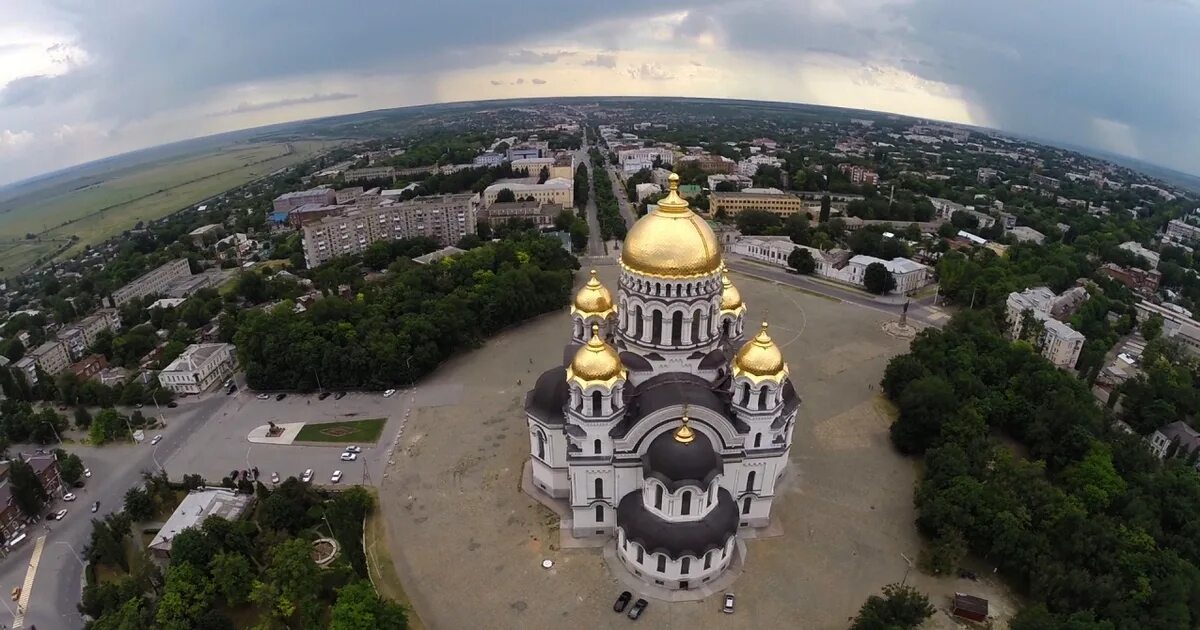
(27, 587)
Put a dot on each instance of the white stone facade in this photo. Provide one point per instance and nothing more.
(200, 367)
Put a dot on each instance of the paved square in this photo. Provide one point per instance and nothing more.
(468, 544)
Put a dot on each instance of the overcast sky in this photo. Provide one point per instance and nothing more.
(84, 79)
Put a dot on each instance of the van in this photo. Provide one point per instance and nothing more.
(16, 540)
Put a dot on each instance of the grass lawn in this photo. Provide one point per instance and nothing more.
(349, 431)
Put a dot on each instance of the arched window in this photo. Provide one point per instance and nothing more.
(541, 438)
(658, 492)
(599, 513)
(757, 440)
(685, 565)
(596, 403)
(762, 398)
(708, 560)
(725, 328)
(657, 288)
(639, 324)
(640, 554)
(656, 326)
(696, 327)
(686, 498)
(599, 488)
(746, 394)
(662, 563)
(596, 445)
(677, 328)
(750, 481)
(746, 506)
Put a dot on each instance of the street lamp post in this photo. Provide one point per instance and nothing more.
(56, 436)
(154, 397)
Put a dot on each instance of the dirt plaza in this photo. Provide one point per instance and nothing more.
(468, 544)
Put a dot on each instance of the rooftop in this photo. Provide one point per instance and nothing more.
(197, 506)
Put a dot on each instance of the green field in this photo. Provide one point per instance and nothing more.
(104, 207)
(348, 431)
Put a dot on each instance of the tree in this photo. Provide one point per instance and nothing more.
(796, 227)
(802, 261)
(70, 467)
(877, 279)
(27, 489)
(543, 175)
(757, 222)
(108, 425)
(505, 195)
(193, 547)
(187, 595)
(826, 204)
(290, 586)
(358, 606)
(900, 608)
(924, 405)
(231, 575)
(138, 504)
(83, 419)
(1153, 326)
(252, 287)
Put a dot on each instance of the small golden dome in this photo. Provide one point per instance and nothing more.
(760, 359)
(593, 298)
(596, 362)
(684, 433)
(731, 298)
(672, 241)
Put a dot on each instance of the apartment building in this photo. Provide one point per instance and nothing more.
(1058, 342)
(543, 215)
(749, 166)
(153, 282)
(200, 367)
(771, 200)
(51, 357)
(78, 337)
(709, 163)
(1182, 232)
(1136, 248)
(558, 167)
(859, 175)
(1140, 281)
(558, 190)
(1042, 181)
(446, 218)
(360, 174)
(634, 160)
(290, 201)
(1177, 324)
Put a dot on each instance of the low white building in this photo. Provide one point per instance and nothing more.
(775, 250)
(1058, 342)
(1136, 248)
(644, 191)
(749, 166)
(634, 160)
(909, 275)
(195, 508)
(199, 367)
(1025, 233)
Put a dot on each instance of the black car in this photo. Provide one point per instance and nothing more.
(280, 396)
(638, 607)
(78, 484)
(324, 395)
(172, 405)
(339, 395)
(622, 601)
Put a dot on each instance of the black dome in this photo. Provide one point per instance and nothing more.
(678, 463)
(678, 538)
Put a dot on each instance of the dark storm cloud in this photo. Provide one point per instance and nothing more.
(286, 102)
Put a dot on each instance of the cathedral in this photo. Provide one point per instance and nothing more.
(663, 428)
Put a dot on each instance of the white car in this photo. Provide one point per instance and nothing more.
(58, 516)
(349, 457)
(353, 449)
(274, 477)
(96, 506)
(388, 393)
(337, 476)
(87, 472)
(262, 397)
(307, 476)
(156, 440)
(70, 496)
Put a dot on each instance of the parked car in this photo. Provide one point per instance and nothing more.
(339, 395)
(727, 607)
(172, 405)
(353, 449)
(307, 476)
(337, 476)
(324, 395)
(78, 484)
(638, 608)
(274, 477)
(70, 496)
(156, 440)
(280, 396)
(622, 601)
(388, 393)
(349, 457)
(60, 514)
(96, 506)
(229, 390)
(263, 396)
(87, 472)
(16, 593)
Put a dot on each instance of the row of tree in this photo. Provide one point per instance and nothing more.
(608, 210)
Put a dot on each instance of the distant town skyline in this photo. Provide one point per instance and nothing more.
(78, 83)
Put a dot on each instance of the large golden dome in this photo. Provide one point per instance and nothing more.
(760, 359)
(672, 241)
(593, 298)
(731, 298)
(595, 362)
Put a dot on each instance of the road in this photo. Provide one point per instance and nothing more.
(619, 193)
(55, 579)
(596, 245)
(920, 311)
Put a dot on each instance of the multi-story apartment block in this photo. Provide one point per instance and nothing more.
(1042, 181)
(709, 163)
(290, 201)
(359, 174)
(446, 218)
(528, 150)
(1140, 281)
(771, 200)
(542, 214)
(986, 176)
(51, 357)
(859, 175)
(1136, 248)
(1182, 232)
(634, 160)
(79, 336)
(1177, 324)
(558, 190)
(154, 282)
(1058, 342)
(749, 166)
(200, 367)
